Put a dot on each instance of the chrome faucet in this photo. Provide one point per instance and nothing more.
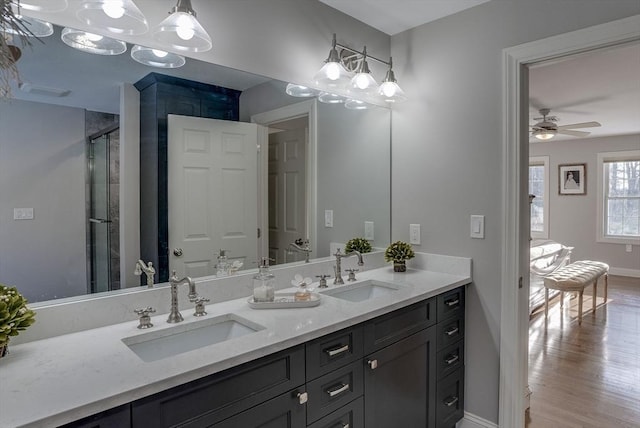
(301, 245)
(175, 315)
(147, 269)
(338, 269)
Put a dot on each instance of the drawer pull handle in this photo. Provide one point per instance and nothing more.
(303, 397)
(451, 303)
(337, 351)
(373, 364)
(450, 401)
(339, 390)
(451, 359)
(452, 331)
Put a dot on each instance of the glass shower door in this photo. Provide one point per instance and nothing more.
(99, 221)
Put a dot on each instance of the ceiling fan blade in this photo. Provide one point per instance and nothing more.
(573, 133)
(580, 125)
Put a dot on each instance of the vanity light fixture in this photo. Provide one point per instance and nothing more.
(300, 91)
(156, 57)
(356, 105)
(332, 73)
(117, 16)
(331, 98)
(182, 31)
(36, 27)
(389, 89)
(363, 81)
(44, 5)
(92, 43)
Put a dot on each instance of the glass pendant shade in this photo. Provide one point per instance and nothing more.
(332, 74)
(182, 31)
(44, 5)
(116, 16)
(36, 27)
(330, 98)
(92, 43)
(363, 81)
(156, 58)
(300, 91)
(389, 89)
(356, 105)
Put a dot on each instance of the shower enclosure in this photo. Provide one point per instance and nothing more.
(103, 239)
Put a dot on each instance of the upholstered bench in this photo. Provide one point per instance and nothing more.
(575, 277)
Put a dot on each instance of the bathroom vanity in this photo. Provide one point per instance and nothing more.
(394, 359)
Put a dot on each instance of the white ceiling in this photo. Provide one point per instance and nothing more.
(395, 16)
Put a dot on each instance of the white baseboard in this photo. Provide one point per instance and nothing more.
(634, 273)
(472, 421)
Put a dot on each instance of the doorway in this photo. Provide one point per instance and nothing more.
(515, 261)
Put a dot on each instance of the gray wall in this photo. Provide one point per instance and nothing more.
(42, 150)
(579, 231)
(447, 149)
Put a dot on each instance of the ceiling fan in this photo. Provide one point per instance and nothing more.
(547, 128)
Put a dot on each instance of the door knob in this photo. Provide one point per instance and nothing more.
(177, 252)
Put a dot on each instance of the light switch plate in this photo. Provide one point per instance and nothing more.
(477, 226)
(328, 218)
(414, 234)
(23, 213)
(368, 230)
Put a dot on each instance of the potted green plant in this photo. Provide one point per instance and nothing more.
(358, 244)
(15, 316)
(399, 252)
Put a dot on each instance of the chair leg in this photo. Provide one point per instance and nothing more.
(561, 300)
(606, 286)
(595, 295)
(580, 293)
(546, 302)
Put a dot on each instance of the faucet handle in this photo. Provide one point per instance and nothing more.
(200, 301)
(145, 319)
(323, 280)
(352, 274)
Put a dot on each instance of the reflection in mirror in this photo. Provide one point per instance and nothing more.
(70, 170)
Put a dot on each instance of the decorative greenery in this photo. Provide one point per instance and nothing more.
(358, 244)
(9, 51)
(398, 251)
(15, 316)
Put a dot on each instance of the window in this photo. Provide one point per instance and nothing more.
(619, 197)
(539, 186)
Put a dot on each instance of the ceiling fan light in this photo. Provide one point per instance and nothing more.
(116, 16)
(44, 5)
(182, 31)
(92, 43)
(544, 134)
(156, 58)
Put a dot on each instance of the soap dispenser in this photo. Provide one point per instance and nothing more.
(222, 268)
(263, 283)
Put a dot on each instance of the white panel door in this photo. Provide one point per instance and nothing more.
(212, 193)
(287, 190)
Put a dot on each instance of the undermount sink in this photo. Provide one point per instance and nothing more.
(156, 345)
(361, 291)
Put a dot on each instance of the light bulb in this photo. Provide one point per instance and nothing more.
(159, 53)
(113, 9)
(93, 37)
(185, 30)
(388, 89)
(361, 81)
(333, 71)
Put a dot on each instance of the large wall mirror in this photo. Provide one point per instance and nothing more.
(67, 185)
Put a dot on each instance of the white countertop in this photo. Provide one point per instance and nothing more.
(61, 379)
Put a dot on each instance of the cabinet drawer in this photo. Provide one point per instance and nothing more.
(333, 351)
(387, 329)
(120, 417)
(450, 399)
(450, 359)
(451, 304)
(349, 416)
(209, 400)
(284, 411)
(333, 390)
(449, 332)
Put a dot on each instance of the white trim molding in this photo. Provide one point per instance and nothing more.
(514, 309)
(473, 421)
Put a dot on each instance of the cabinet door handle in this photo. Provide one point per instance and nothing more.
(337, 391)
(452, 331)
(332, 352)
(303, 397)
(451, 359)
(373, 364)
(450, 401)
(451, 303)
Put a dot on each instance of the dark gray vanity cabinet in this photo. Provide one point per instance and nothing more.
(120, 417)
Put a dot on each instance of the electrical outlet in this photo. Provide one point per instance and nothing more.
(328, 218)
(628, 248)
(414, 234)
(368, 230)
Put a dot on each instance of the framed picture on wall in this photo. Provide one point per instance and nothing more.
(572, 179)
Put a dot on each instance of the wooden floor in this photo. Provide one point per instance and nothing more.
(587, 376)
